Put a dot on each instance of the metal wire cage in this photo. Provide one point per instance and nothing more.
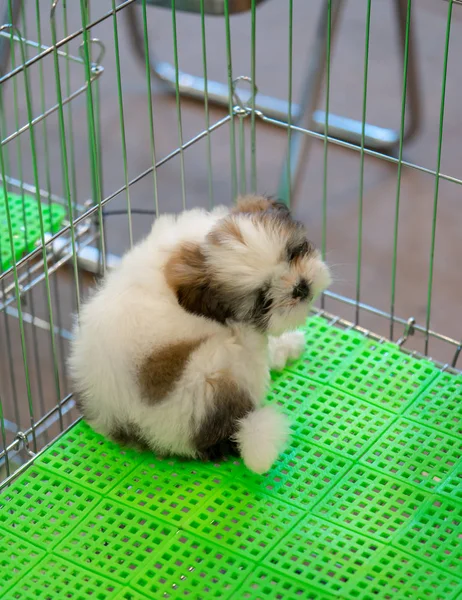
(95, 145)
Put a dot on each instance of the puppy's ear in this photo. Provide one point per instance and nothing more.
(189, 277)
(258, 204)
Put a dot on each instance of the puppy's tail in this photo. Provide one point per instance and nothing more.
(261, 436)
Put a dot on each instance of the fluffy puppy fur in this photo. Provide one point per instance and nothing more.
(173, 351)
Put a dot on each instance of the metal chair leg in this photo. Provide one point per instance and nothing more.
(376, 138)
(307, 117)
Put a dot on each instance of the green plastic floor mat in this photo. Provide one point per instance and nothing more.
(364, 504)
(25, 223)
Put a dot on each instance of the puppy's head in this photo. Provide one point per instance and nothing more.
(255, 266)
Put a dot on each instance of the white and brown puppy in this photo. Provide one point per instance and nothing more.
(173, 351)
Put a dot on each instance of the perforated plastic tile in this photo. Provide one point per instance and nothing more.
(374, 504)
(166, 491)
(189, 567)
(16, 558)
(87, 458)
(452, 486)
(384, 375)
(415, 454)
(435, 534)
(42, 507)
(25, 222)
(365, 503)
(301, 475)
(268, 584)
(327, 349)
(323, 554)
(293, 392)
(330, 417)
(130, 594)
(244, 521)
(394, 575)
(440, 405)
(54, 578)
(115, 541)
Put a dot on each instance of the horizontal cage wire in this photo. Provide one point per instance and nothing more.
(114, 112)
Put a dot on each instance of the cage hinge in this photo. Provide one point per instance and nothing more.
(408, 330)
(22, 443)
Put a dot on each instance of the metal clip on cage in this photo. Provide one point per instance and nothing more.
(303, 114)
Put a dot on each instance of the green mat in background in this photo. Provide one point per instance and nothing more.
(25, 222)
(365, 503)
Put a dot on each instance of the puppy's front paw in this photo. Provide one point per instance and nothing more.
(288, 346)
(278, 358)
(295, 342)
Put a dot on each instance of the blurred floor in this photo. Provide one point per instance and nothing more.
(343, 182)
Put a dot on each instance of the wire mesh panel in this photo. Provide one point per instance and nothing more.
(114, 112)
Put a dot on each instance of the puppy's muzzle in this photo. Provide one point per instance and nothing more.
(301, 290)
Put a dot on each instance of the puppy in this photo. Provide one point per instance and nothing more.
(173, 351)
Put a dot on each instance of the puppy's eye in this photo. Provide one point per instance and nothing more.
(296, 251)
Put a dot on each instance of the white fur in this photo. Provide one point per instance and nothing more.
(135, 312)
(288, 346)
(261, 437)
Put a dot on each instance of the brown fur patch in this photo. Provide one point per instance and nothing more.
(161, 370)
(252, 203)
(186, 266)
(230, 403)
(226, 229)
(271, 214)
(191, 280)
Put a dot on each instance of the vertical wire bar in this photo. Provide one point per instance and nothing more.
(150, 113)
(70, 120)
(46, 157)
(361, 174)
(326, 144)
(17, 146)
(178, 103)
(242, 166)
(35, 344)
(12, 378)
(122, 122)
(66, 129)
(232, 134)
(400, 165)
(289, 100)
(96, 125)
(92, 132)
(24, 353)
(33, 148)
(437, 178)
(69, 193)
(99, 137)
(20, 174)
(253, 76)
(4, 441)
(206, 106)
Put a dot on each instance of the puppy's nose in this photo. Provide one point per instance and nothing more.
(301, 290)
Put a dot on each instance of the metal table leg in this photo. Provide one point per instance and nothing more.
(376, 138)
